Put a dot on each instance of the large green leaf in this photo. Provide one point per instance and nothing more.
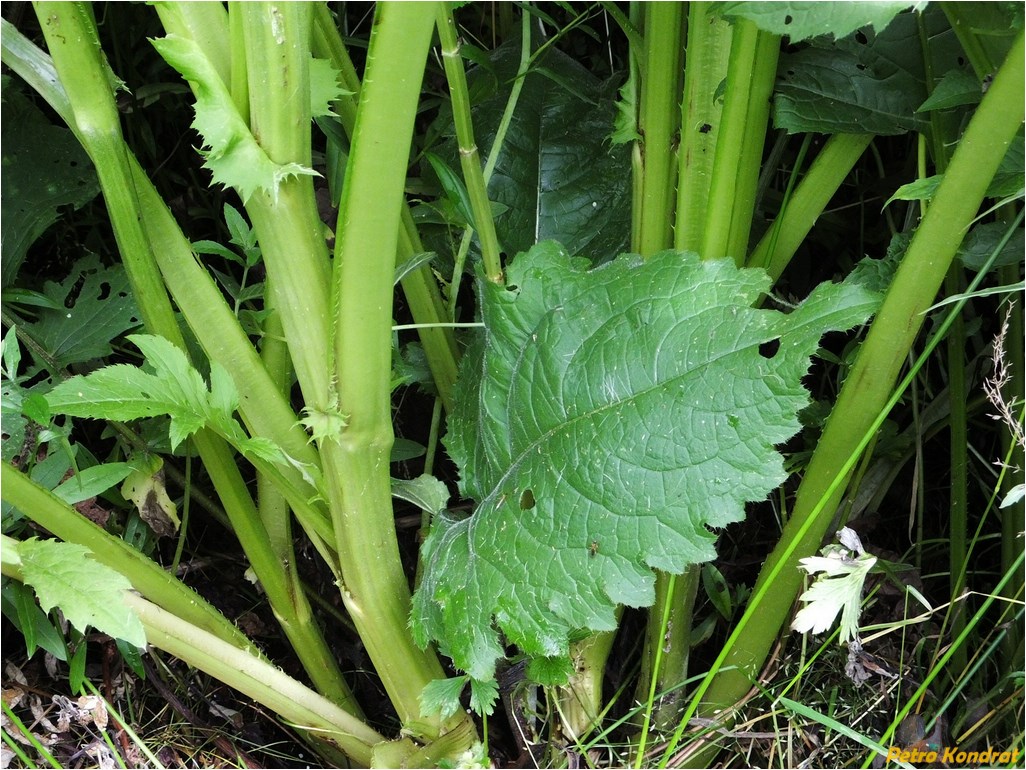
(557, 175)
(608, 422)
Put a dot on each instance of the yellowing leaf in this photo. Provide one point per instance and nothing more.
(145, 488)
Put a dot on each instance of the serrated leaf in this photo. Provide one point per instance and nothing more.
(802, 20)
(442, 696)
(174, 388)
(235, 158)
(606, 423)
(483, 696)
(88, 593)
(838, 589)
(324, 87)
(95, 305)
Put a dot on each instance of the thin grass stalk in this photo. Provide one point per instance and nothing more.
(881, 357)
(708, 55)
(1011, 522)
(373, 584)
(826, 174)
(469, 157)
(958, 437)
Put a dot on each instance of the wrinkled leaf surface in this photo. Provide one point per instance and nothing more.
(607, 424)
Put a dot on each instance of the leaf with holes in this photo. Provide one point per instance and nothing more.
(95, 305)
(607, 422)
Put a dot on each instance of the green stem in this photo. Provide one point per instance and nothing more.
(867, 388)
(708, 54)
(97, 123)
(469, 160)
(658, 124)
(291, 237)
(145, 575)
(419, 287)
(830, 168)
(373, 584)
(735, 174)
(664, 662)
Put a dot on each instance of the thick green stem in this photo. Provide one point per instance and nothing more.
(373, 584)
(810, 198)
(658, 124)
(96, 122)
(419, 286)
(291, 237)
(265, 683)
(868, 387)
(708, 54)
(668, 638)
(735, 175)
(469, 159)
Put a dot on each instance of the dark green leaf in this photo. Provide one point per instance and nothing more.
(981, 241)
(44, 168)
(868, 82)
(454, 188)
(830, 91)
(956, 88)
(557, 174)
(606, 424)
(96, 307)
(20, 607)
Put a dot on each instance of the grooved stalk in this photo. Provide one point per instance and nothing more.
(373, 584)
